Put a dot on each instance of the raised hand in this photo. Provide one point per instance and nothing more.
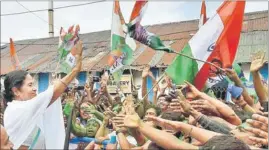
(231, 74)
(203, 106)
(130, 121)
(257, 61)
(193, 92)
(79, 48)
(186, 107)
(146, 72)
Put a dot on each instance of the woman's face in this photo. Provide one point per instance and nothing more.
(85, 111)
(92, 127)
(27, 90)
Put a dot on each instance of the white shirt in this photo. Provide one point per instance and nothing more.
(22, 118)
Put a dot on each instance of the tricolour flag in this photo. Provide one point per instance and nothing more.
(215, 42)
(66, 48)
(13, 56)
(202, 20)
(121, 53)
(139, 33)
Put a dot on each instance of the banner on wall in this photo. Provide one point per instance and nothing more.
(125, 84)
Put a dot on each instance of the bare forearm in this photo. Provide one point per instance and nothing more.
(76, 128)
(245, 94)
(124, 144)
(97, 98)
(99, 115)
(226, 112)
(259, 88)
(101, 131)
(138, 136)
(161, 138)
(155, 98)
(89, 96)
(59, 86)
(110, 99)
(199, 134)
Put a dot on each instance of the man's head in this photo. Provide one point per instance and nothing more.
(4, 140)
(225, 142)
(163, 101)
(152, 110)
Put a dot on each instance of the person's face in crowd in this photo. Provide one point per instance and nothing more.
(92, 127)
(85, 110)
(162, 103)
(27, 90)
(4, 140)
(150, 112)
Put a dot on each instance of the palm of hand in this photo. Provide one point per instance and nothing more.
(132, 121)
(146, 72)
(256, 65)
(231, 74)
(194, 93)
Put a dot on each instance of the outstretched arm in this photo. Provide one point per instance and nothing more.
(226, 112)
(234, 77)
(162, 138)
(76, 128)
(61, 85)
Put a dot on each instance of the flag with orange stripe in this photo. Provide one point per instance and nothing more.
(215, 42)
(202, 14)
(13, 56)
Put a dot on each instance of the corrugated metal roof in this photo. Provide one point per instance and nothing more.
(42, 55)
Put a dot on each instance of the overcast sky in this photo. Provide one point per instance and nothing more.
(97, 17)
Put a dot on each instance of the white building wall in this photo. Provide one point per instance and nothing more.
(246, 69)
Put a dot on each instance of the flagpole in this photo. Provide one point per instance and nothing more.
(154, 86)
(132, 78)
(69, 123)
(199, 60)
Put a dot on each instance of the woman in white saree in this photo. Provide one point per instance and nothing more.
(36, 121)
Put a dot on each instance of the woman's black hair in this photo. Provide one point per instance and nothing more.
(13, 79)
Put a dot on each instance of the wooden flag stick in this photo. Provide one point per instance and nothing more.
(199, 60)
(154, 86)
